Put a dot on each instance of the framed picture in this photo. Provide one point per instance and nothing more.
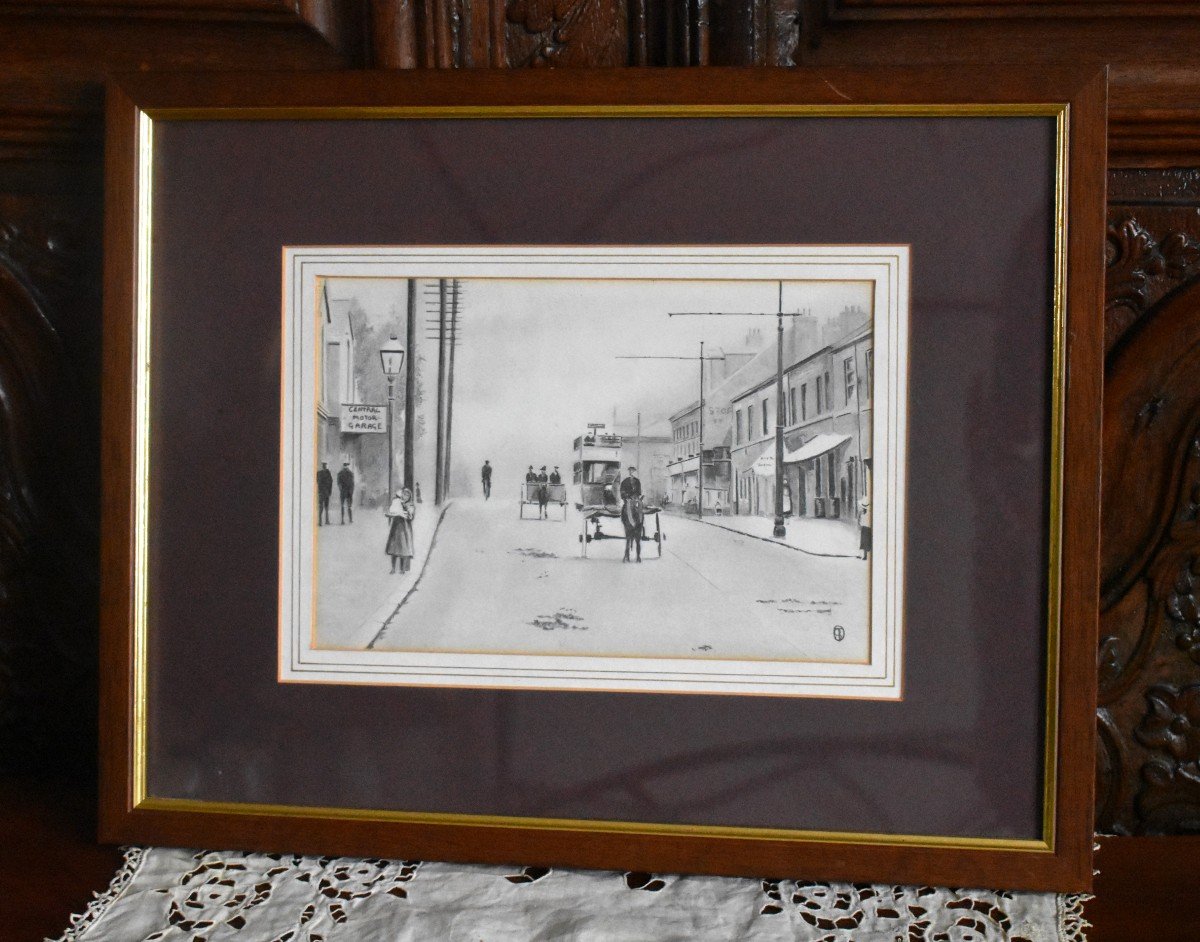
(620, 469)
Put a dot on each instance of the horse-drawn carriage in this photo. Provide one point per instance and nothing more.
(598, 479)
(540, 496)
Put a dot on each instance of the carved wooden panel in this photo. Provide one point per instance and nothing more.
(49, 477)
(566, 33)
(1148, 762)
(56, 56)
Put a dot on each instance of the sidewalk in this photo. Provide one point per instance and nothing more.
(356, 594)
(816, 536)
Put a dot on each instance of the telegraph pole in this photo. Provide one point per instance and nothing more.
(410, 383)
(780, 530)
(700, 463)
(438, 496)
(638, 446)
(445, 470)
(445, 330)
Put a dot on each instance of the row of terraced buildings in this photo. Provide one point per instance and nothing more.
(828, 370)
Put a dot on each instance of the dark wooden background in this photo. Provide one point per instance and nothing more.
(53, 60)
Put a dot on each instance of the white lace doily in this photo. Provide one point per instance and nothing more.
(184, 896)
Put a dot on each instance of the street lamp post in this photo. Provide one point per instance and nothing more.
(391, 356)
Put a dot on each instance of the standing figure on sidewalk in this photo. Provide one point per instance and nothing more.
(543, 492)
(864, 528)
(345, 483)
(485, 475)
(324, 492)
(400, 533)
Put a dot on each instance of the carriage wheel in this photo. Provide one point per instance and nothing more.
(658, 534)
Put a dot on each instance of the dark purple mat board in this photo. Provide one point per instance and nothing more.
(959, 756)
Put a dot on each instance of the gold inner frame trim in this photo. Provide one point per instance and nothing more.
(1057, 430)
(141, 801)
(141, 452)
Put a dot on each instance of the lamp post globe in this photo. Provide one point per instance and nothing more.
(391, 357)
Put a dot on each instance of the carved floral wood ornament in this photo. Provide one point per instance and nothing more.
(47, 491)
(569, 32)
(1148, 763)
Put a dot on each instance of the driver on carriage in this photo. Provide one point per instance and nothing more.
(631, 486)
(543, 492)
(631, 513)
(621, 498)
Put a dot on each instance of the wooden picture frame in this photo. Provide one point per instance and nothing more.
(146, 757)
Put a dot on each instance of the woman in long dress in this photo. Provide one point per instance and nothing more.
(864, 528)
(400, 534)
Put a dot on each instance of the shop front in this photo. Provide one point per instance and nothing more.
(823, 474)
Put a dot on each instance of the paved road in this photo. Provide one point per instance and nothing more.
(498, 584)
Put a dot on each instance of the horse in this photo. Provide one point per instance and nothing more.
(632, 518)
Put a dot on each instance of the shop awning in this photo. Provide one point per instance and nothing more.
(815, 447)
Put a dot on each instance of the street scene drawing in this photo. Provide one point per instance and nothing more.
(524, 474)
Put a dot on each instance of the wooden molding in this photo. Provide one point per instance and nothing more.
(338, 22)
(242, 10)
(1005, 9)
(1154, 137)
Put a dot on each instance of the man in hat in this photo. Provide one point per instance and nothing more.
(324, 492)
(530, 475)
(555, 477)
(631, 513)
(345, 483)
(631, 486)
(543, 492)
